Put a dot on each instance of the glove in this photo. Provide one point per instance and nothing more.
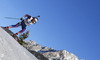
(21, 18)
(38, 16)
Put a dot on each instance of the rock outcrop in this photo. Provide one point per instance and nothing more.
(50, 53)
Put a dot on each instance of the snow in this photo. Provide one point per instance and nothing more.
(10, 49)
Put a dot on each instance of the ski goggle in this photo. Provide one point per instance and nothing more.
(36, 19)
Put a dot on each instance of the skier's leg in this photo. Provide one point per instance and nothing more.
(20, 31)
(13, 26)
(23, 28)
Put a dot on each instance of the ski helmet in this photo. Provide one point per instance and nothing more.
(36, 19)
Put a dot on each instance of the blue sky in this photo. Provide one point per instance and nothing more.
(72, 25)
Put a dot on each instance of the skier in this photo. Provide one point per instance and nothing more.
(24, 22)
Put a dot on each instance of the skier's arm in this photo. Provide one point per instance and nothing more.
(25, 16)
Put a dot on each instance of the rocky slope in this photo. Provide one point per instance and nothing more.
(50, 53)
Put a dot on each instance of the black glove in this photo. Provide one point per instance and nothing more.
(21, 18)
(38, 16)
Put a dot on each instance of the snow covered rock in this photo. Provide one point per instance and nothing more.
(32, 45)
(10, 49)
(50, 53)
(60, 55)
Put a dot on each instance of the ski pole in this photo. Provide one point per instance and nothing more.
(11, 18)
(16, 18)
